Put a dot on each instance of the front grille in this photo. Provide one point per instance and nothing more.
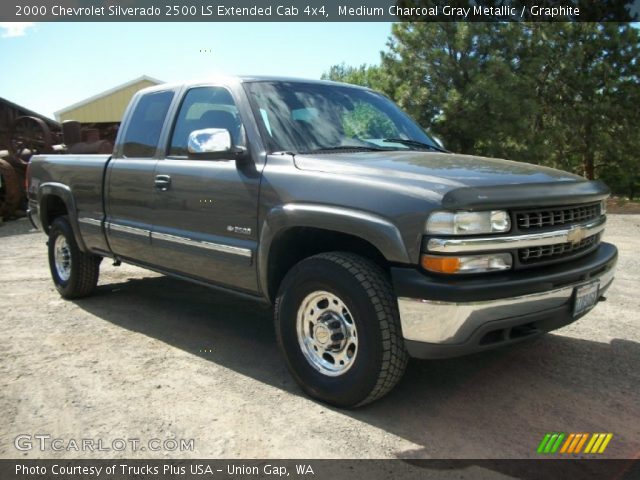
(546, 253)
(528, 220)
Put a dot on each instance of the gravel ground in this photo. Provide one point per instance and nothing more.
(149, 357)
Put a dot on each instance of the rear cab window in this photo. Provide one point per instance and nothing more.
(145, 125)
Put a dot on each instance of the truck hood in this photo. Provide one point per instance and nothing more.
(438, 172)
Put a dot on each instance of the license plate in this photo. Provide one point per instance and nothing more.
(586, 297)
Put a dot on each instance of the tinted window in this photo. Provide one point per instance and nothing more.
(305, 117)
(143, 132)
(204, 107)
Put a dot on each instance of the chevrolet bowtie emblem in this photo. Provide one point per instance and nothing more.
(576, 235)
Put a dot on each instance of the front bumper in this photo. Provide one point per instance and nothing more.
(447, 317)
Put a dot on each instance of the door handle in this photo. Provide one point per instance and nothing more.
(162, 182)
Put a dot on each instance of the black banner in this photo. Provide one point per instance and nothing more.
(318, 469)
(319, 10)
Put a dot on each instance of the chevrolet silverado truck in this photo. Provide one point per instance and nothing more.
(371, 242)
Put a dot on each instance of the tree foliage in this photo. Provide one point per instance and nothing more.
(559, 94)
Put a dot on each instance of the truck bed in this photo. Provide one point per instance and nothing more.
(82, 176)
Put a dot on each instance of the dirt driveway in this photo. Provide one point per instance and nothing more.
(149, 357)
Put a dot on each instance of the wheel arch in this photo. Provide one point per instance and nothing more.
(293, 232)
(54, 200)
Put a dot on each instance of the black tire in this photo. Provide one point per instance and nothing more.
(84, 268)
(366, 291)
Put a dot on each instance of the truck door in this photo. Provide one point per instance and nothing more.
(130, 182)
(206, 214)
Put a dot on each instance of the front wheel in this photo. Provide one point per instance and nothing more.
(74, 273)
(337, 324)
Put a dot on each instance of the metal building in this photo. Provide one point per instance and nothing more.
(105, 107)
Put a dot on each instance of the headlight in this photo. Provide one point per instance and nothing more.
(468, 223)
(467, 263)
(603, 207)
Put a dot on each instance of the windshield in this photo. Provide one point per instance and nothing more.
(307, 117)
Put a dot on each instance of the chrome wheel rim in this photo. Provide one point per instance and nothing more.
(62, 258)
(327, 333)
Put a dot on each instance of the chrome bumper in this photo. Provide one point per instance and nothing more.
(447, 323)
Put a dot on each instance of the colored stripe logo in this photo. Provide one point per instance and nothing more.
(573, 443)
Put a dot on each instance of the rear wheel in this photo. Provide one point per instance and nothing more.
(74, 273)
(337, 324)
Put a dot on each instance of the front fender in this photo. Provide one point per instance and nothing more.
(372, 228)
(62, 191)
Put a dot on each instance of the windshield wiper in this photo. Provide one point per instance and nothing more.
(347, 148)
(415, 144)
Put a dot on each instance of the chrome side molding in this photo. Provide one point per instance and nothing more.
(217, 247)
(127, 229)
(90, 221)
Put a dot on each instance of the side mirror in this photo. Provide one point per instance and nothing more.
(209, 140)
(215, 143)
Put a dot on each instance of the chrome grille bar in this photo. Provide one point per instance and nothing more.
(573, 234)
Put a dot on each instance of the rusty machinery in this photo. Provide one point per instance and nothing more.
(30, 135)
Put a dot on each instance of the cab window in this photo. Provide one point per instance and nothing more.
(204, 107)
(143, 133)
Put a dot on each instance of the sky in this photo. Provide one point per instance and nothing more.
(49, 66)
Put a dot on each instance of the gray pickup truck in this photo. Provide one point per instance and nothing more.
(326, 201)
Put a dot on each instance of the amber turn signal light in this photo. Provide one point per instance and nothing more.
(490, 262)
(440, 264)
